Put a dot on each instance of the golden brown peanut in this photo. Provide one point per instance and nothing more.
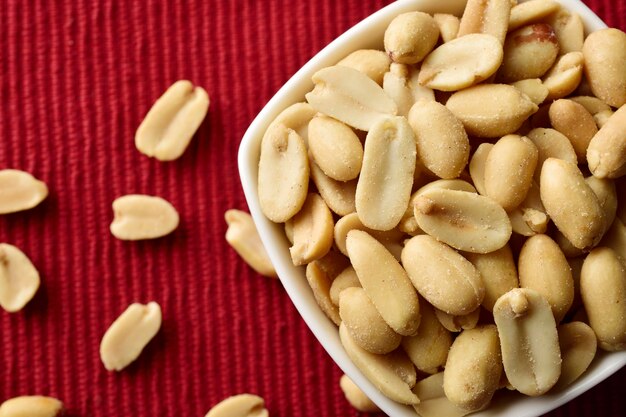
(346, 279)
(498, 272)
(138, 217)
(529, 52)
(371, 62)
(543, 268)
(605, 190)
(385, 282)
(384, 187)
(442, 276)
(465, 221)
(530, 217)
(592, 104)
(243, 236)
(352, 222)
(31, 406)
(295, 117)
(338, 195)
(486, 16)
(575, 122)
(19, 279)
(320, 282)
(350, 96)
(241, 405)
(533, 88)
(569, 30)
(502, 111)
(129, 334)
(473, 369)
(335, 147)
(365, 324)
(606, 153)
(333, 263)
(401, 84)
(442, 144)
(615, 239)
(433, 401)
(283, 173)
(312, 231)
(603, 290)
(601, 118)
(569, 250)
(172, 121)
(571, 203)
(530, 12)
(578, 348)
(400, 363)
(576, 266)
(428, 349)
(356, 397)
(461, 62)
(410, 37)
(448, 25)
(456, 324)
(551, 144)
(378, 369)
(529, 341)
(477, 166)
(20, 191)
(605, 65)
(564, 76)
(509, 170)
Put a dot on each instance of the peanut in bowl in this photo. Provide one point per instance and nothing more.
(369, 34)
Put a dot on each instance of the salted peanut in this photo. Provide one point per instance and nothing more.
(530, 217)
(543, 268)
(365, 324)
(356, 397)
(346, 279)
(576, 266)
(442, 144)
(605, 190)
(578, 348)
(333, 263)
(564, 76)
(571, 203)
(371, 62)
(20, 191)
(601, 118)
(378, 370)
(530, 12)
(400, 363)
(338, 195)
(615, 238)
(448, 25)
(385, 282)
(384, 187)
(575, 122)
(569, 250)
(428, 349)
(528, 52)
(350, 96)
(473, 369)
(533, 88)
(456, 324)
(605, 65)
(486, 16)
(241, 405)
(19, 279)
(352, 222)
(603, 290)
(244, 238)
(442, 276)
(529, 341)
(551, 143)
(295, 117)
(138, 217)
(289, 230)
(172, 121)
(433, 400)
(410, 37)
(569, 30)
(401, 84)
(283, 173)
(129, 334)
(461, 62)
(465, 221)
(335, 147)
(320, 281)
(606, 153)
(498, 272)
(592, 104)
(31, 406)
(509, 170)
(502, 110)
(477, 166)
(312, 231)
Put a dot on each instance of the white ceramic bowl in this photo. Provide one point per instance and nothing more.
(369, 34)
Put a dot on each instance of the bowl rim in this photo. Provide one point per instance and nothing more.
(292, 278)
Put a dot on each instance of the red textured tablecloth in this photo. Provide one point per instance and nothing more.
(76, 79)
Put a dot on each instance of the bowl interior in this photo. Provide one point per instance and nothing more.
(368, 34)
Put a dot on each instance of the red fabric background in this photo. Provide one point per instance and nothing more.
(76, 79)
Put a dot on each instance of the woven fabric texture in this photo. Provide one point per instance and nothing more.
(76, 79)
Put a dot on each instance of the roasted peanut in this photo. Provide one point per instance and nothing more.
(20, 191)
(456, 324)
(137, 217)
(606, 153)
(242, 405)
(477, 166)
(356, 397)
(578, 348)
(401, 84)
(346, 279)
(338, 195)
(244, 238)
(448, 25)
(569, 30)
(31, 406)
(575, 122)
(312, 231)
(320, 282)
(19, 279)
(604, 189)
(371, 62)
(352, 222)
(564, 76)
(615, 239)
(410, 37)
(551, 143)
(529, 52)
(533, 88)
(530, 217)
(486, 16)
(530, 12)
(605, 65)
(295, 117)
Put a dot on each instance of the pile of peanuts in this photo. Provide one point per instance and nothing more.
(455, 200)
